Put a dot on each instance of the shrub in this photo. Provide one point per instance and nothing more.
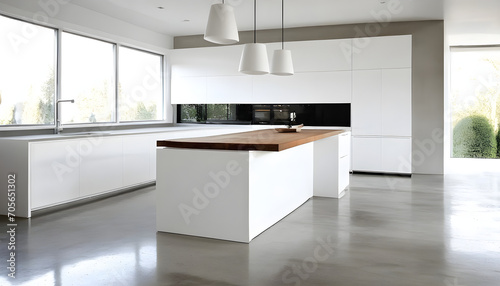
(498, 141)
(474, 137)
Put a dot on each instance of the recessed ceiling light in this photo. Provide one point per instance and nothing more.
(186, 20)
(161, 7)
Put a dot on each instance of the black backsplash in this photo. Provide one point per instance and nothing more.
(337, 114)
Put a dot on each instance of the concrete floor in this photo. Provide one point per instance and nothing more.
(424, 230)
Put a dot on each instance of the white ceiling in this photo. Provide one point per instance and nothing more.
(189, 17)
(472, 22)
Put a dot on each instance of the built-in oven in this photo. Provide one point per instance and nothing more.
(261, 114)
(281, 114)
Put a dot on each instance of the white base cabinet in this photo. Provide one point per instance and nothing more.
(230, 195)
(236, 195)
(54, 172)
(331, 165)
(381, 154)
(101, 165)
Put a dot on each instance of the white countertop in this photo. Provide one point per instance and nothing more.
(178, 128)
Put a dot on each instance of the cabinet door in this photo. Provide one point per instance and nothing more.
(344, 144)
(188, 89)
(396, 102)
(136, 157)
(207, 61)
(311, 87)
(366, 154)
(101, 169)
(343, 174)
(323, 55)
(396, 155)
(54, 172)
(382, 52)
(229, 89)
(366, 103)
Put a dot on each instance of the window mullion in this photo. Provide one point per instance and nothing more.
(117, 82)
(58, 89)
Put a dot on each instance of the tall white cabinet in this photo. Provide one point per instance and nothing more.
(381, 106)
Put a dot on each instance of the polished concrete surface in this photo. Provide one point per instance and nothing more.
(424, 230)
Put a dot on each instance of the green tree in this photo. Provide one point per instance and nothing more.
(7, 115)
(46, 102)
(474, 137)
(39, 107)
(498, 142)
(94, 105)
(31, 109)
(145, 113)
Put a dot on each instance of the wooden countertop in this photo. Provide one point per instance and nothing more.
(261, 140)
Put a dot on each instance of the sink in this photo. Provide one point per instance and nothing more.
(85, 133)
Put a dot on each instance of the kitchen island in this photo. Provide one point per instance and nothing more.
(235, 186)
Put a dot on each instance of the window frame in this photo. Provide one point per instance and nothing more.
(162, 71)
(15, 127)
(450, 112)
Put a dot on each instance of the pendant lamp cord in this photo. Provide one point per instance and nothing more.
(282, 24)
(255, 21)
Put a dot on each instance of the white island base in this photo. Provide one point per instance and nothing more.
(236, 195)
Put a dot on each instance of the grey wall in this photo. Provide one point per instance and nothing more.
(427, 78)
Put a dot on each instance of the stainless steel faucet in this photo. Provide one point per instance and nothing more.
(59, 128)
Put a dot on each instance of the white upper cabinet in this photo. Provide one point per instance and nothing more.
(229, 89)
(324, 72)
(396, 102)
(213, 61)
(381, 52)
(317, 87)
(188, 89)
(316, 56)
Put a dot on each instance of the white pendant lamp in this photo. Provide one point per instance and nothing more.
(282, 59)
(254, 57)
(221, 26)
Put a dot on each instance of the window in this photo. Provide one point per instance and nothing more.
(27, 73)
(140, 85)
(475, 102)
(109, 83)
(87, 76)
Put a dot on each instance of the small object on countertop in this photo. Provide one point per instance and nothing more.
(295, 128)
